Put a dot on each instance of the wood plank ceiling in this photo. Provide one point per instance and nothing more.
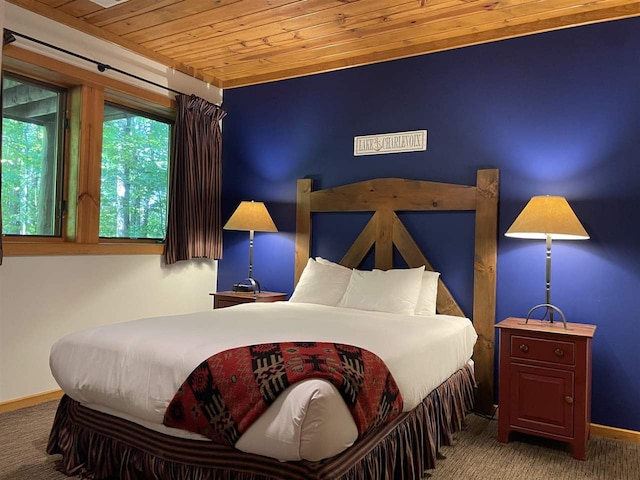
(232, 43)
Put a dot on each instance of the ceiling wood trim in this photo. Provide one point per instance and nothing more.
(233, 43)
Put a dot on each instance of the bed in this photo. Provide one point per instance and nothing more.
(108, 424)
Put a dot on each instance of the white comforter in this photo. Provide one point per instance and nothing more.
(133, 369)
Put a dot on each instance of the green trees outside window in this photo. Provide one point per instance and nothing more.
(32, 119)
(135, 160)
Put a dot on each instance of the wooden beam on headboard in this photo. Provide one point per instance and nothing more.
(395, 194)
(408, 248)
(303, 226)
(361, 245)
(484, 285)
(384, 239)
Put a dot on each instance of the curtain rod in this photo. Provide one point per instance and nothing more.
(102, 67)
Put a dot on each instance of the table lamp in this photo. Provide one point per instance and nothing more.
(252, 217)
(547, 218)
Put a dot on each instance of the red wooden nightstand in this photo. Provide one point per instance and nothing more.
(545, 381)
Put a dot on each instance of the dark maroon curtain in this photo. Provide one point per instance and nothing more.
(194, 226)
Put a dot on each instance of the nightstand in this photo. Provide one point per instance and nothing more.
(229, 299)
(545, 381)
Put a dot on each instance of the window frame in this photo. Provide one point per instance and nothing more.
(59, 201)
(83, 149)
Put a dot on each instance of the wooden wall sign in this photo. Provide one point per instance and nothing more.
(414, 141)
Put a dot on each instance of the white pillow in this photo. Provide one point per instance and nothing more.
(393, 291)
(324, 261)
(428, 293)
(321, 284)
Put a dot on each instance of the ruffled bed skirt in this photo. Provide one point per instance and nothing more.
(98, 446)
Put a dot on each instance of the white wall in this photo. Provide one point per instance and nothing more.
(43, 298)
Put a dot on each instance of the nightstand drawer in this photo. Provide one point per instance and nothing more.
(224, 302)
(553, 351)
(229, 299)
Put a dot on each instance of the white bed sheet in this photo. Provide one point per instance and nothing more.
(133, 369)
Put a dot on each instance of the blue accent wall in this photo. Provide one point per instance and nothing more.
(558, 113)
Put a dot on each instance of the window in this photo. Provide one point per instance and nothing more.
(32, 157)
(62, 192)
(134, 181)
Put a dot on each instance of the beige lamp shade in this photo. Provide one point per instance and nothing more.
(251, 216)
(547, 216)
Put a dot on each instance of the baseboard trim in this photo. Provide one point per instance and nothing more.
(30, 400)
(616, 433)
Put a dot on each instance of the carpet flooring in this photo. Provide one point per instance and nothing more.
(475, 455)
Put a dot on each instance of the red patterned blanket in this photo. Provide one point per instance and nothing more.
(226, 393)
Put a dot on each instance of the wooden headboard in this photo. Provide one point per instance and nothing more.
(386, 196)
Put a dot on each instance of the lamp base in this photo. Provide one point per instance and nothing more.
(247, 285)
(549, 309)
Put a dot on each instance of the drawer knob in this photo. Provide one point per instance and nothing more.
(568, 399)
(559, 352)
(524, 347)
